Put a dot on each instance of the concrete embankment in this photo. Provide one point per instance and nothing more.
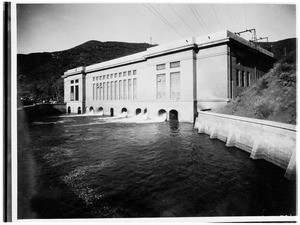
(272, 141)
(39, 110)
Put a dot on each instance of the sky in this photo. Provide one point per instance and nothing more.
(56, 27)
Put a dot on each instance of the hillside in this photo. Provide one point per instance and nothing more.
(280, 49)
(273, 96)
(39, 74)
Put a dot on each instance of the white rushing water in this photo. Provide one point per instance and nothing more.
(140, 118)
(121, 118)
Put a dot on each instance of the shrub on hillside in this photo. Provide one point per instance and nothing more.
(263, 111)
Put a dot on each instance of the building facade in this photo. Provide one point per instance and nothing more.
(180, 78)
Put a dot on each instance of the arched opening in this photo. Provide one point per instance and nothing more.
(124, 112)
(100, 111)
(173, 115)
(111, 112)
(173, 121)
(145, 111)
(69, 109)
(79, 110)
(91, 109)
(162, 114)
(138, 111)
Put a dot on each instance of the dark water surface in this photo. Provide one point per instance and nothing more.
(80, 167)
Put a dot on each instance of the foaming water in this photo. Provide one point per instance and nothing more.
(121, 118)
(136, 167)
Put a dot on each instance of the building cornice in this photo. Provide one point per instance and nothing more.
(75, 71)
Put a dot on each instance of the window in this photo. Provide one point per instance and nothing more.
(134, 72)
(100, 92)
(97, 91)
(160, 67)
(76, 81)
(120, 74)
(120, 90)
(161, 86)
(108, 91)
(107, 76)
(72, 93)
(104, 91)
(76, 93)
(116, 89)
(124, 89)
(72, 81)
(248, 79)
(116, 75)
(124, 74)
(175, 64)
(129, 73)
(111, 76)
(175, 85)
(134, 89)
(129, 89)
(237, 78)
(111, 90)
(93, 78)
(103, 77)
(242, 76)
(97, 78)
(93, 91)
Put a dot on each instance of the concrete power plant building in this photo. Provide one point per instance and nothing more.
(181, 79)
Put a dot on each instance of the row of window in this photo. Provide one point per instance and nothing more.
(242, 78)
(172, 65)
(115, 75)
(115, 90)
(161, 86)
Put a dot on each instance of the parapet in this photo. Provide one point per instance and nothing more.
(74, 71)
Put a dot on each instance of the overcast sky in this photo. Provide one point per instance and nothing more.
(55, 27)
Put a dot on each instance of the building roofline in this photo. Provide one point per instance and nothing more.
(249, 44)
(71, 72)
(206, 41)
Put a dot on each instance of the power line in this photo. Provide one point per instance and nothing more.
(182, 20)
(200, 17)
(230, 16)
(196, 17)
(158, 15)
(245, 14)
(216, 16)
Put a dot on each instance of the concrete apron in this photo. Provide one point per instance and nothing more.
(272, 141)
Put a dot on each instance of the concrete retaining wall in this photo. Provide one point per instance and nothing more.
(272, 141)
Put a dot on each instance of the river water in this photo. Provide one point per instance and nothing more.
(94, 167)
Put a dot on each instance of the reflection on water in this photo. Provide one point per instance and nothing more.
(174, 126)
(87, 167)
